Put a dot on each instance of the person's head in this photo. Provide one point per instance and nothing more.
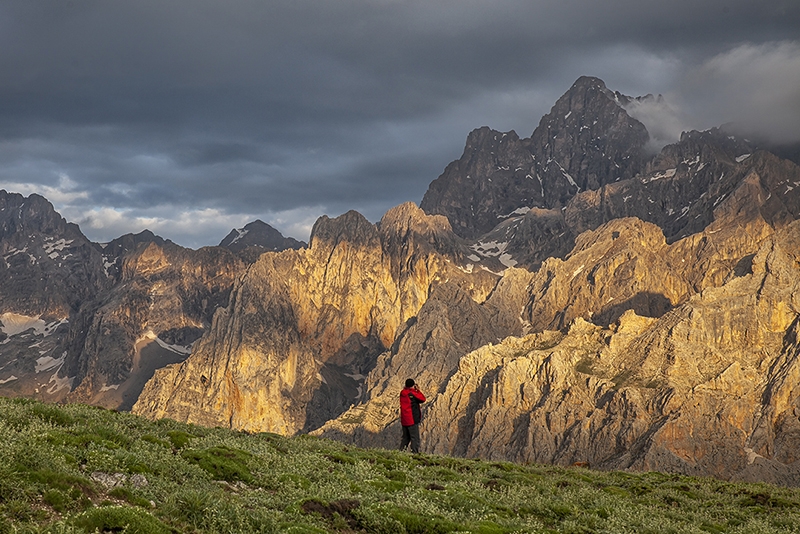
(410, 382)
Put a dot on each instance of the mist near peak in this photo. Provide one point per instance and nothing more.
(664, 122)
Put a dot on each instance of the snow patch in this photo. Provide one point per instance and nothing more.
(567, 115)
(14, 324)
(13, 252)
(519, 211)
(46, 363)
(242, 232)
(52, 249)
(178, 349)
(669, 173)
(741, 158)
(752, 455)
(578, 271)
(108, 388)
(566, 175)
(59, 383)
(490, 248)
(507, 260)
(355, 376)
(108, 264)
(474, 257)
(9, 379)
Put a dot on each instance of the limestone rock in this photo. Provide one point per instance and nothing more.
(710, 388)
(448, 326)
(48, 266)
(163, 302)
(587, 140)
(301, 321)
(682, 189)
(47, 270)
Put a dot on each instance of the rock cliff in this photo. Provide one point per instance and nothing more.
(586, 141)
(88, 322)
(624, 266)
(162, 303)
(302, 327)
(48, 269)
(711, 387)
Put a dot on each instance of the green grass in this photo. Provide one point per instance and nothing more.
(78, 469)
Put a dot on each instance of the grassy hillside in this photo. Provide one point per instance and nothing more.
(78, 469)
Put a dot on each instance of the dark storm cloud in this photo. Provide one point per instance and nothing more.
(193, 116)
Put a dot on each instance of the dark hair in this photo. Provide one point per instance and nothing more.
(409, 382)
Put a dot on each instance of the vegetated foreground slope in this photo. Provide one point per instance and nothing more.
(82, 469)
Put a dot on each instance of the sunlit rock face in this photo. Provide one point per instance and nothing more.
(303, 327)
(712, 387)
(620, 280)
(637, 297)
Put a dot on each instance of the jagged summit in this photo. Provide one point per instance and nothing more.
(587, 140)
(47, 266)
(260, 237)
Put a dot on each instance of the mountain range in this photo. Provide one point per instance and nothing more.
(570, 297)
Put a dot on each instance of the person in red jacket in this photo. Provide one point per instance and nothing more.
(410, 415)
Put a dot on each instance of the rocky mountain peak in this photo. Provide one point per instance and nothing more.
(408, 222)
(23, 219)
(587, 140)
(350, 227)
(709, 145)
(259, 237)
(47, 266)
(587, 88)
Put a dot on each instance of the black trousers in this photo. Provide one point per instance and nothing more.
(410, 435)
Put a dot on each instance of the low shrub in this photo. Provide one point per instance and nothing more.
(120, 519)
(222, 463)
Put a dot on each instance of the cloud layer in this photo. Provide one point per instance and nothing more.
(189, 118)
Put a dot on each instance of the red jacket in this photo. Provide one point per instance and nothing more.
(410, 399)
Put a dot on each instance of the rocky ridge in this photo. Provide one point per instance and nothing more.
(162, 303)
(586, 141)
(303, 327)
(90, 322)
(48, 270)
(709, 388)
(255, 238)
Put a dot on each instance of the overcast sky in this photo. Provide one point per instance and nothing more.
(190, 118)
